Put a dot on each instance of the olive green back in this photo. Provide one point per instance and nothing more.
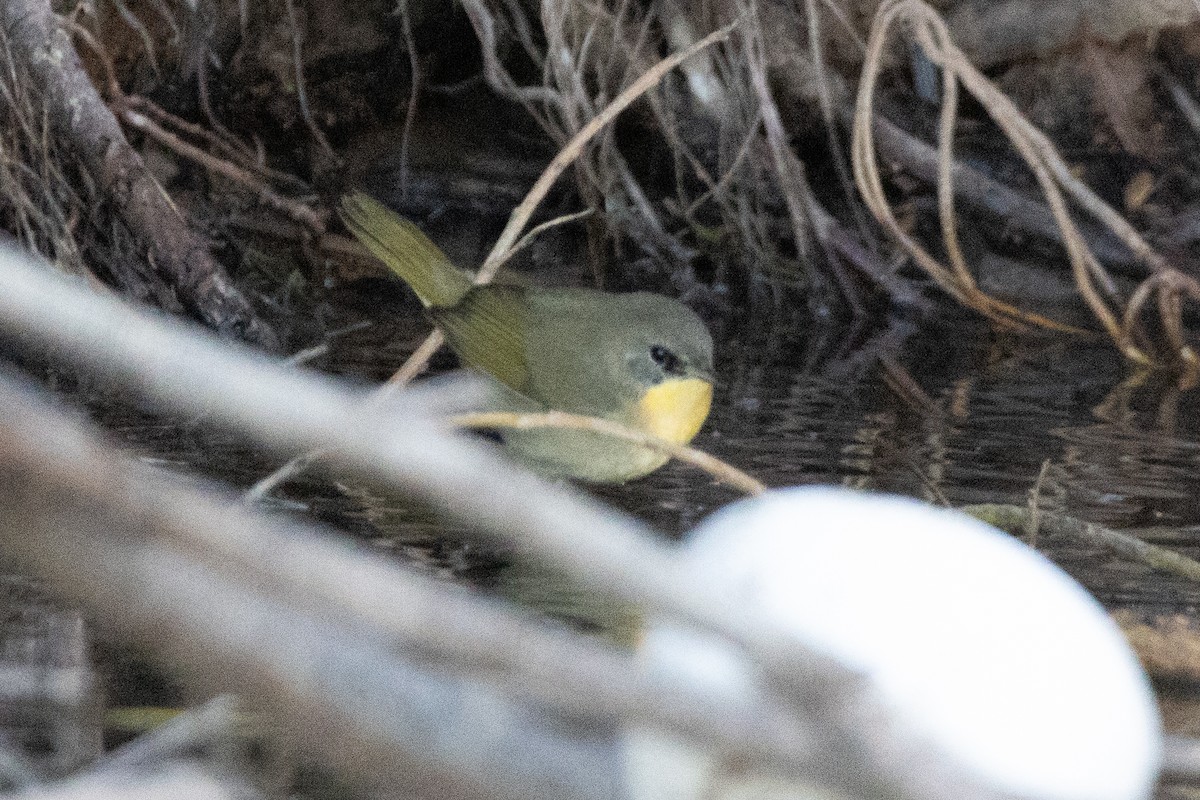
(574, 350)
(571, 349)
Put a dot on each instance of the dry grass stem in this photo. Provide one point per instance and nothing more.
(201, 726)
(230, 146)
(575, 147)
(300, 212)
(1016, 519)
(715, 467)
(292, 468)
(1181, 96)
(131, 19)
(1033, 527)
(537, 230)
(816, 48)
(414, 92)
(718, 190)
(301, 90)
(787, 166)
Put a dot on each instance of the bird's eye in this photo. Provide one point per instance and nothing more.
(666, 359)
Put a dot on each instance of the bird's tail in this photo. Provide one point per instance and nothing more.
(405, 249)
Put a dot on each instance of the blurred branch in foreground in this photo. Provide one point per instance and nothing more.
(411, 685)
(177, 781)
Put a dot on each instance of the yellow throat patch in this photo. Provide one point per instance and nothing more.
(675, 409)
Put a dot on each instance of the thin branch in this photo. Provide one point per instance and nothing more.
(725, 473)
(300, 212)
(219, 140)
(414, 93)
(1094, 284)
(1016, 520)
(537, 230)
(572, 150)
(301, 90)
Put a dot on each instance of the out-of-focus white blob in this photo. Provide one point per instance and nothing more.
(978, 644)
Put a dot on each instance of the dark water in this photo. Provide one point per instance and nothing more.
(1111, 447)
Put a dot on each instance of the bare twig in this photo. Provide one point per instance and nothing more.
(717, 189)
(897, 146)
(176, 738)
(300, 212)
(828, 115)
(134, 23)
(301, 90)
(493, 70)
(866, 175)
(292, 468)
(414, 92)
(537, 230)
(725, 473)
(1187, 106)
(563, 159)
(1033, 527)
(787, 166)
(1016, 519)
(648, 80)
(219, 140)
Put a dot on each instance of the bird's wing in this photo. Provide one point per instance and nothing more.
(487, 330)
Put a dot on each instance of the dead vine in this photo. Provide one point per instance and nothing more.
(1119, 319)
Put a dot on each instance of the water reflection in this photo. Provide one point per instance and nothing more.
(1113, 449)
(1110, 448)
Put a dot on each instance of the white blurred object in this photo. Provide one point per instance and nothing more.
(977, 643)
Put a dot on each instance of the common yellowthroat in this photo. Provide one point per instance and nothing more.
(640, 359)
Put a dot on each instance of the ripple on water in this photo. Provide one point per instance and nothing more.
(1115, 451)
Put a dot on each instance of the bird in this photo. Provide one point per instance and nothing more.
(640, 359)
